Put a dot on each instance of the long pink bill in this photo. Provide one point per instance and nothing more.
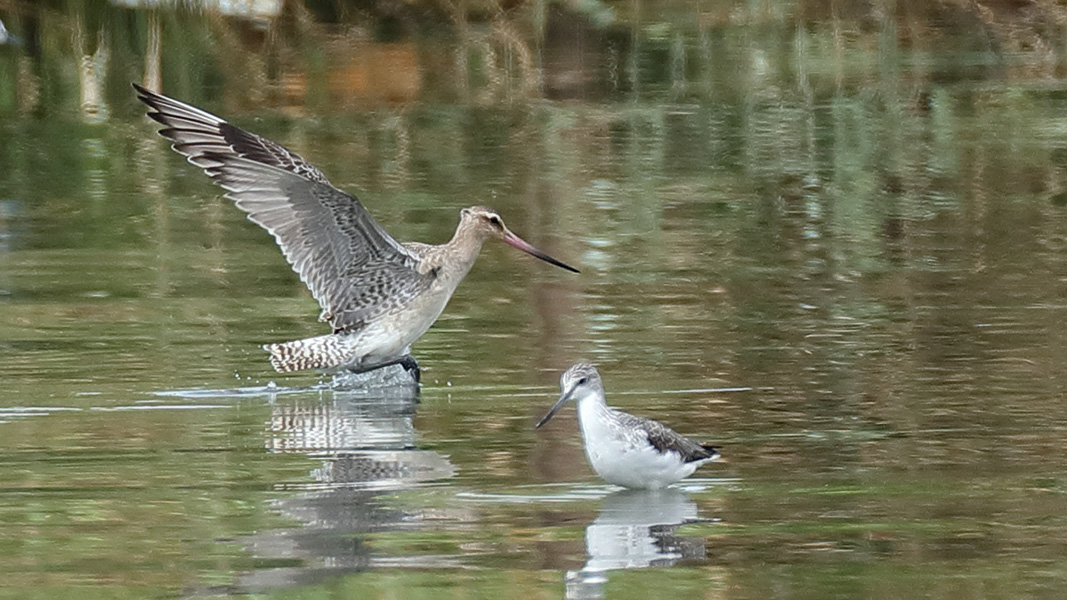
(521, 244)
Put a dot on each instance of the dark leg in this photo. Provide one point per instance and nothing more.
(412, 367)
(407, 361)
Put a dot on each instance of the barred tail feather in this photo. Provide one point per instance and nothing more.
(321, 352)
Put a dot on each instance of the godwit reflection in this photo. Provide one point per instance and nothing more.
(367, 445)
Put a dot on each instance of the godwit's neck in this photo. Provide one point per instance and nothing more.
(460, 252)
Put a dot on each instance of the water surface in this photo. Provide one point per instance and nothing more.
(831, 240)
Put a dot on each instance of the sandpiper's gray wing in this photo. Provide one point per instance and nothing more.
(665, 439)
(352, 266)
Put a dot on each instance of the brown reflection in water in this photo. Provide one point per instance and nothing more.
(561, 335)
(874, 243)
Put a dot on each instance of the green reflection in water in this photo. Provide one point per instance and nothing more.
(855, 213)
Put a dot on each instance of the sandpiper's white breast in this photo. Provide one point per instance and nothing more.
(624, 456)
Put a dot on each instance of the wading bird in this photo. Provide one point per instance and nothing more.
(379, 295)
(624, 449)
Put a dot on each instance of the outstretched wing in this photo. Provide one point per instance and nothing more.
(352, 266)
(665, 439)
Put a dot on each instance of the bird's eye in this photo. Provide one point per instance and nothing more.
(495, 220)
(582, 381)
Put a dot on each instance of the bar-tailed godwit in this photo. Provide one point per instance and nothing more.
(378, 295)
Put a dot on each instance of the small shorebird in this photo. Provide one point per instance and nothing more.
(379, 295)
(624, 449)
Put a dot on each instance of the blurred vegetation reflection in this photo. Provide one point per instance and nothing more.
(852, 214)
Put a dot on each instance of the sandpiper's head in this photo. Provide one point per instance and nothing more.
(485, 223)
(577, 383)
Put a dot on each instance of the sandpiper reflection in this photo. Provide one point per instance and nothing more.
(635, 529)
(367, 446)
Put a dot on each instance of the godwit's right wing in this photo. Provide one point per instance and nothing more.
(352, 266)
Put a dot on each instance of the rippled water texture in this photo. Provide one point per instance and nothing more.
(830, 237)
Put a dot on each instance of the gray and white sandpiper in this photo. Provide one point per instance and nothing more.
(624, 449)
(378, 295)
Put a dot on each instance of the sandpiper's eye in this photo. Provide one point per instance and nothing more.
(582, 381)
(495, 220)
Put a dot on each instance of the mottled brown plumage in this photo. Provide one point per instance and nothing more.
(377, 294)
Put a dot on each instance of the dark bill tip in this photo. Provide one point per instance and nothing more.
(552, 411)
(521, 244)
(544, 419)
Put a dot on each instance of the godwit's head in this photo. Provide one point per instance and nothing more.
(479, 224)
(578, 383)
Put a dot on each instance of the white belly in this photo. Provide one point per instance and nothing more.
(637, 466)
(628, 460)
(393, 334)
